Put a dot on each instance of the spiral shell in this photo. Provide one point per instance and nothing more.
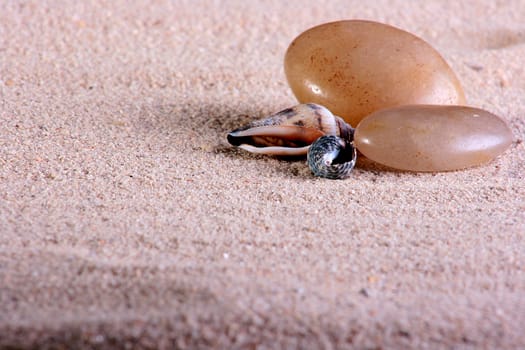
(332, 157)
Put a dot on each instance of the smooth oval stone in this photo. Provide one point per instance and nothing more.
(357, 67)
(432, 138)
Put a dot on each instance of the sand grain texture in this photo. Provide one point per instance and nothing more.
(127, 221)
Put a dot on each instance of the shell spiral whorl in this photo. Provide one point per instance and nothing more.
(332, 157)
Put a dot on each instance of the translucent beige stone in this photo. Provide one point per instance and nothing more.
(357, 67)
(432, 138)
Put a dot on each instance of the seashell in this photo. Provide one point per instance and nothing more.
(356, 67)
(414, 138)
(289, 132)
(332, 157)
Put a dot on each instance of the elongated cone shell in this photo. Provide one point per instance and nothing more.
(432, 138)
(289, 132)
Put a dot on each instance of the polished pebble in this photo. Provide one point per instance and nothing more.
(432, 138)
(357, 67)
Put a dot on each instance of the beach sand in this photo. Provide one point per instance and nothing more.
(128, 221)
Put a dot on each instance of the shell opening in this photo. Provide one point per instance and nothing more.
(274, 139)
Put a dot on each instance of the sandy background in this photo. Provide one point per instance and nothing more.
(127, 221)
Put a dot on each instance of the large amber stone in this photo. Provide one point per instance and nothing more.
(432, 138)
(357, 67)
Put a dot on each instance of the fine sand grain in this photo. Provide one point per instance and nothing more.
(127, 221)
